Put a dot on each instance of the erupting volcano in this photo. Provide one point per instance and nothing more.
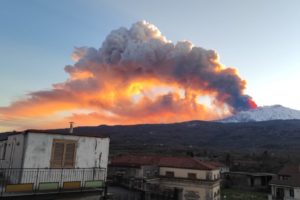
(136, 76)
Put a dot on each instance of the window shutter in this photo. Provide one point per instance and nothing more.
(57, 154)
(69, 155)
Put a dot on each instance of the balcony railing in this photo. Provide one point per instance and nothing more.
(190, 180)
(33, 181)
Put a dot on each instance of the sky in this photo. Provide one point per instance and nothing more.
(258, 38)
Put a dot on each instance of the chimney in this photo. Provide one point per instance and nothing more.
(71, 127)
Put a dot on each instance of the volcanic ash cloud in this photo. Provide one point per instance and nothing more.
(138, 76)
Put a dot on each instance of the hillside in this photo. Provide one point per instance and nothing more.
(280, 135)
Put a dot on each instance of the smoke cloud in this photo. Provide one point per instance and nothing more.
(136, 76)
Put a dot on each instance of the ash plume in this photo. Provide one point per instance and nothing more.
(138, 76)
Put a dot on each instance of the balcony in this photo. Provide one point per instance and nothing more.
(208, 182)
(21, 182)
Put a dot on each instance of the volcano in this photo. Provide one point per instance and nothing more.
(264, 113)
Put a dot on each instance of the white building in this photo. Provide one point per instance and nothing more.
(33, 158)
(287, 184)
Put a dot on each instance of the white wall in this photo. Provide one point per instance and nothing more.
(286, 191)
(190, 188)
(14, 152)
(89, 150)
(297, 192)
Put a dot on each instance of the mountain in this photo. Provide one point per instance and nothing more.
(278, 135)
(265, 113)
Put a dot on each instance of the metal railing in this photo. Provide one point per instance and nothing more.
(32, 180)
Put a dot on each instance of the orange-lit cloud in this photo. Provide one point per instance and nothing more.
(136, 76)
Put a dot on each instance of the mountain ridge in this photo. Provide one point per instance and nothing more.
(274, 135)
(264, 113)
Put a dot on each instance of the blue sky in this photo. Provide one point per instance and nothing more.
(258, 37)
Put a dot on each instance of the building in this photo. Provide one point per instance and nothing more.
(133, 170)
(38, 161)
(189, 177)
(257, 181)
(286, 186)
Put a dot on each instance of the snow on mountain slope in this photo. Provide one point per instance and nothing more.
(265, 113)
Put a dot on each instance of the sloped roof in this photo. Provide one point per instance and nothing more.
(293, 181)
(289, 170)
(162, 161)
(292, 173)
(185, 162)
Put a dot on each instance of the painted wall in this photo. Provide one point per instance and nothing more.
(14, 152)
(216, 192)
(297, 192)
(183, 173)
(193, 189)
(286, 192)
(90, 152)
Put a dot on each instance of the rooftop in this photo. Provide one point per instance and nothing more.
(289, 170)
(162, 161)
(4, 136)
(289, 175)
(293, 181)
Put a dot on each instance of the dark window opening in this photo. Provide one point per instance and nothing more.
(169, 174)
(192, 175)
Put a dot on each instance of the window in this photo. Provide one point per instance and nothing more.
(208, 176)
(63, 154)
(169, 174)
(192, 175)
(292, 192)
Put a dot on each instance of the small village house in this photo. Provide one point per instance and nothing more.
(189, 177)
(286, 186)
(252, 181)
(40, 161)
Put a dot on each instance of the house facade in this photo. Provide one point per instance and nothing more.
(253, 181)
(33, 158)
(191, 178)
(286, 186)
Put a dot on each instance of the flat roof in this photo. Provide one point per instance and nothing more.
(4, 136)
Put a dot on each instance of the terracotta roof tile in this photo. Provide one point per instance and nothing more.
(289, 170)
(293, 181)
(135, 160)
(162, 161)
